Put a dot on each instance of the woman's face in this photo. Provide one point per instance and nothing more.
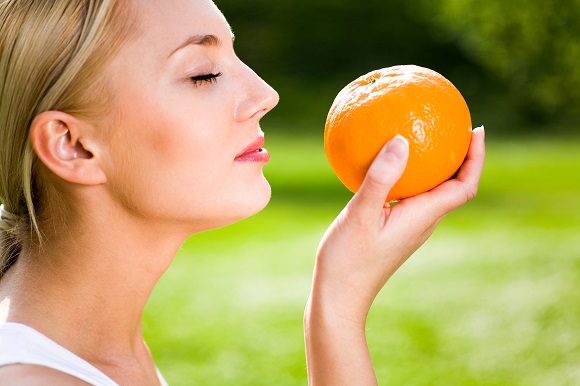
(186, 145)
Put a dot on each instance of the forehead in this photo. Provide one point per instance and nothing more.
(166, 23)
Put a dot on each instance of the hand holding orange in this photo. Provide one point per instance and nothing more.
(415, 102)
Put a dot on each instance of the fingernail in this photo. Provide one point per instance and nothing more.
(397, 147)
(480, 128)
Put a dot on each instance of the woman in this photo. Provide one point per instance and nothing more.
(126, 126)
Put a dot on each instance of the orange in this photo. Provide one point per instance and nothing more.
(415, 102)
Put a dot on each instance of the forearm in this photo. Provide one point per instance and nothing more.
(336, 349)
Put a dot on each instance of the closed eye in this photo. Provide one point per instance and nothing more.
(199, 80)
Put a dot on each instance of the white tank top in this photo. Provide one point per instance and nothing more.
(20, 344)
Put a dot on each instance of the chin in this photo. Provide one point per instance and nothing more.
(245, 204)
(255, 201)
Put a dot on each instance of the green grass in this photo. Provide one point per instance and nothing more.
(493, 298)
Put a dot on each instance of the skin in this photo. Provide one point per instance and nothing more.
(135, 185)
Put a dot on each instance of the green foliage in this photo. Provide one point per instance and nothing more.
(531, 46)
(517, 63)
(491, 299)
(309, 50)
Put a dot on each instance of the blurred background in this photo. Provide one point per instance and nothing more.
(493, 298)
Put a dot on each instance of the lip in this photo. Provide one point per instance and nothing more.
(254, 152)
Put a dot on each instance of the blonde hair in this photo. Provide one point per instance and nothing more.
(52, 54)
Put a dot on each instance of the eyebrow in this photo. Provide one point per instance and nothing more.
(202, 40)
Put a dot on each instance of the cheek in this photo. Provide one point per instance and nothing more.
(184, 128)
(185, 159)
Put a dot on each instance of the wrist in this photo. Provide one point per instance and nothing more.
(339, 302)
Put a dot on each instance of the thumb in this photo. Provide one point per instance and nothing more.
(382, 175)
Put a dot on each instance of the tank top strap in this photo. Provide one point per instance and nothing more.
(20, 344)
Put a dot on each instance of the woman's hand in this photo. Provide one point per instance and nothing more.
(362, 249)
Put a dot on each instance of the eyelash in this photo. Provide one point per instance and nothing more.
(204, 79)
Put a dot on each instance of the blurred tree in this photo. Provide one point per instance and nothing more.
(531, 46)
(316, 40)
(521, 58)
(309, 50)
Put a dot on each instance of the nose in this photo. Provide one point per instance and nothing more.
(257, 97)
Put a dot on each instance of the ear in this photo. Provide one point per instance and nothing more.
(63, 144)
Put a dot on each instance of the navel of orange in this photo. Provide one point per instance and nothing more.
(415, 102)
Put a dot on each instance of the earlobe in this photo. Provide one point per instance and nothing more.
(57, 140)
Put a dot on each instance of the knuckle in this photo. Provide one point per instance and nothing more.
(376, 177)
(471, 192)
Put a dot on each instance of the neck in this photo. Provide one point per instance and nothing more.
(94, 281)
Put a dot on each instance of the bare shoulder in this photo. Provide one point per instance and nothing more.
(32, 375)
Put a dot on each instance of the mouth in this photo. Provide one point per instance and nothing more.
(254, 152)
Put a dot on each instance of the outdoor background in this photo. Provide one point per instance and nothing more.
(493, 298)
